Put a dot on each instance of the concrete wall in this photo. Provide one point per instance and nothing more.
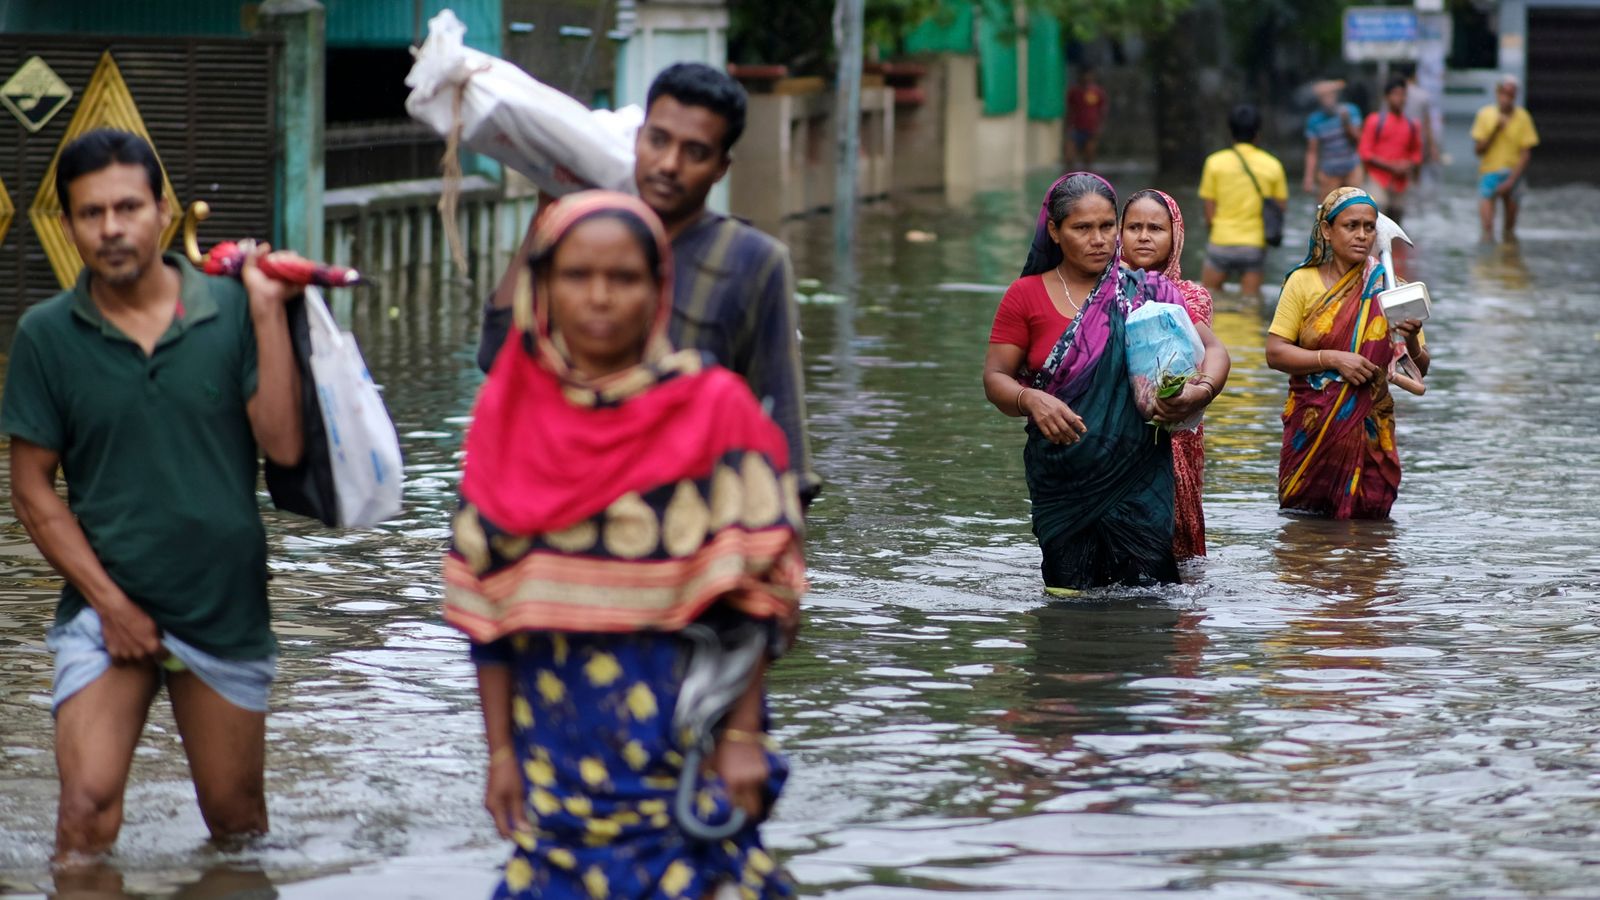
(919, 132)
(1009, 146)
(1043, 143)
(785, 164)
(962, 110)
(1002, 150)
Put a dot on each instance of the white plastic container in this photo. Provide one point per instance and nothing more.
(1408, 301)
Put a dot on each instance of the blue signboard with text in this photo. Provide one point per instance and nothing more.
(1377, 33)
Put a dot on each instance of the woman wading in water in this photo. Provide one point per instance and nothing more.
(1100, 478)
(1152, 240)
(618, 499)
(1331, 337)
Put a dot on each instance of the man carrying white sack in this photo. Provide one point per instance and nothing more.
(733, 290)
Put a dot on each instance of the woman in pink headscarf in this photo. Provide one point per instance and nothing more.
(1152, 240)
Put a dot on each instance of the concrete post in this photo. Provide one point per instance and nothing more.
(1514, 42)
(302, 72)
(847, 116)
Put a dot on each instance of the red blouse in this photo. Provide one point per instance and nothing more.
(1027, 318)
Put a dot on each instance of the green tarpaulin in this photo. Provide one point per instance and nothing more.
(947, 31)
(997, 58)
(1047, 64)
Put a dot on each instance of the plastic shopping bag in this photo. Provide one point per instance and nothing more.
(1164, 352)
(507, 114)
(350, 473)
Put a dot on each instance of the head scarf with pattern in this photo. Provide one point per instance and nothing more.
(624, 503)
(1196, 299)
(532, 319)
(1319, 249)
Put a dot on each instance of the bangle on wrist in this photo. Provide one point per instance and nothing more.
(741, 736)
(1018, 402)
(502, 752)
(1320, 363)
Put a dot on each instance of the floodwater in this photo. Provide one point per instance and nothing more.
(1320, 710)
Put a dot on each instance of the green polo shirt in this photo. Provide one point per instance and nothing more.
(158, 455)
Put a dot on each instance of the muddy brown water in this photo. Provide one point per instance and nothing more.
(1321, 709)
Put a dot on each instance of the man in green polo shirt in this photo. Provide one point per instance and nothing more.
(150, 386)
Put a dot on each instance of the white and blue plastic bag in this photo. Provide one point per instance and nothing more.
(1162, 346)
(363, 448)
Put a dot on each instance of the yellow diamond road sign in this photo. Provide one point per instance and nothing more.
(6, 212)
(34, 94)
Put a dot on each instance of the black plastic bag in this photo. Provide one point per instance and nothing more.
(305, 489)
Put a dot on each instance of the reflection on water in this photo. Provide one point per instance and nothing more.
(1322, 709)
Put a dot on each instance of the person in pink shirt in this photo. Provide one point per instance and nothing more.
(1391, 149)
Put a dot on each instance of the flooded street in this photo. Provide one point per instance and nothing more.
(1322, 709)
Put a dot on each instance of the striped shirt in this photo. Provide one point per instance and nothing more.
(732, 297)
(1336, 153)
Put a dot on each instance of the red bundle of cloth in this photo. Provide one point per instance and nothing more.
(227, 258)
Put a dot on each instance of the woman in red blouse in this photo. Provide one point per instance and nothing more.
(1099, 477)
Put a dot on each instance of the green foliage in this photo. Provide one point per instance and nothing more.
(794, 33)
(889, 21)
(799, 33)
(1085, 19)
(1256, 26)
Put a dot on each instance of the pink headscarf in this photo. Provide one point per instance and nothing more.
(1196, 299)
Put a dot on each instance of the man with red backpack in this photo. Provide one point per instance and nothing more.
(1391, 149)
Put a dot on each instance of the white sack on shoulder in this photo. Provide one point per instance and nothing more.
(510, 116)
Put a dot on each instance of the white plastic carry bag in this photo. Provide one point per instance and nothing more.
(507, 114)
(1164, 350)
(363, 448)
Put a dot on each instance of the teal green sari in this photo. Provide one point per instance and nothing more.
(1103, 506)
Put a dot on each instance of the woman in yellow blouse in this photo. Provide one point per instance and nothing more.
(1332, 339)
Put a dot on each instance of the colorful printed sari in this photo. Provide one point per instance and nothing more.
(1188, 447)
(1102, 507)
(599, 519)
(1339, 457)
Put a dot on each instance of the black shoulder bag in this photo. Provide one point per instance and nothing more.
(1271, 208)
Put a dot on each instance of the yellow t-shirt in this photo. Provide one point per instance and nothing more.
(1237, 222)
(1506, 148)
(1301, 291)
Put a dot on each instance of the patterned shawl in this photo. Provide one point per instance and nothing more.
(1072, 361)
(1319, 249)
(626, 503)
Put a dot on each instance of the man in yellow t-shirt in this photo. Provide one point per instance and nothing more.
(1234, 184)
(1503, 137)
